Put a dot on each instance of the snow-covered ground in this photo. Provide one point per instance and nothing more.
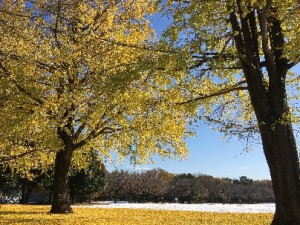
(207, 207)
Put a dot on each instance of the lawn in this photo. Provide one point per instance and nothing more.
(37, 215)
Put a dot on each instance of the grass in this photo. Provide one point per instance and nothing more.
(37, 215)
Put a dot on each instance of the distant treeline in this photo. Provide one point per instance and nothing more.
(160, 186)
(148, 186)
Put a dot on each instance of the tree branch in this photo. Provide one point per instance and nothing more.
(24, 91)
(13, 157)
(143, 47)
(235, 87)
(277, 43)
(56, 24)
(20, 88)
(269, 57)
(94, 134)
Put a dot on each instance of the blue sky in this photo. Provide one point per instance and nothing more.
(209, 153)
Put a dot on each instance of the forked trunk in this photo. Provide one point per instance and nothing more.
(260, 31)
(61, 193)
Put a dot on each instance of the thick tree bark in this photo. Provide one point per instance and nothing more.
(280, 151)
(270, 103)
(282, 157)
(61, 193)
(280, 148)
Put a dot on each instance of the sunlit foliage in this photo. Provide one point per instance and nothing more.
(202, 33)
(85, 74)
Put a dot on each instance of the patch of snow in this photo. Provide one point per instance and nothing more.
(206, 207)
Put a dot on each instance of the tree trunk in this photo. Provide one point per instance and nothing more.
(24, 193)
(279, 146)
(270, 101)
(61, 192)
(50, 196)
(282, 157)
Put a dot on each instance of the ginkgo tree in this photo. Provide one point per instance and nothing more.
(81, 75)
(240, 54)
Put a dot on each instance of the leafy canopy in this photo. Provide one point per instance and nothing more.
(87, 71)
(201, 32)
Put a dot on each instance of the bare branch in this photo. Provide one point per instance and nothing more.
(235, 87)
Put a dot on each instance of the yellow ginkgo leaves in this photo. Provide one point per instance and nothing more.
(36, 215)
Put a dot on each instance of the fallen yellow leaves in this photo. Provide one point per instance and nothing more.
(36, 215)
